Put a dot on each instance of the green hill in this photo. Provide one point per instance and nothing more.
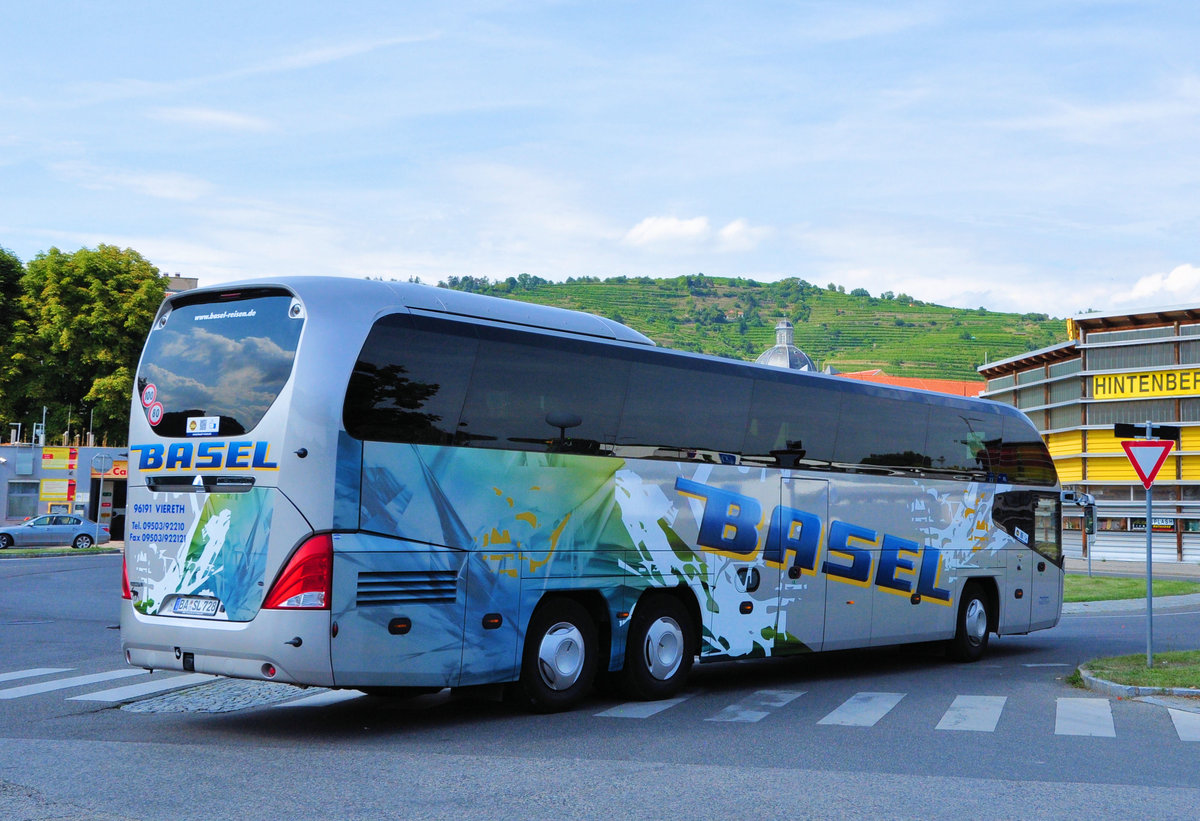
(850, 331)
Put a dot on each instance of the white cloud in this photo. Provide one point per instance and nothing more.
(160, 185)
(667, 230)
(211, 118)
(1181, 284)
(740, 235)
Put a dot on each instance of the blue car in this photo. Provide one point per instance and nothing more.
(54, 529)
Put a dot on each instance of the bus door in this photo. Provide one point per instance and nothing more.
(398, 607)
(1013, 513)
(1045, 600)
(795, 538)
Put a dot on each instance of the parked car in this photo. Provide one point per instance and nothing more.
(54, 529)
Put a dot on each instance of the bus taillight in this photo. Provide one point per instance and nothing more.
(306, 582)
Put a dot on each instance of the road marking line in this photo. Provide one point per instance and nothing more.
(1084, 716)
(641, 709)
(34, 671)
(1187, 724)
(758, 706)
(977, 713)
(322, 698)
(132, 691)
(863, 709)
(65, 683)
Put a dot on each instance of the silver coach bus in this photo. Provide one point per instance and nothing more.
(393, 487)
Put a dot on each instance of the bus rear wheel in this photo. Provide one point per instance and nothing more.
(560, 657)
(659, 651)
(971, 635)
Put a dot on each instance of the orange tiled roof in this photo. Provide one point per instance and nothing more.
(951, 386)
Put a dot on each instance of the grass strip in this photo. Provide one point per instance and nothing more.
(1077, 588)
(1178, 668)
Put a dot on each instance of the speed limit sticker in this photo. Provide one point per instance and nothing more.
(155, 413)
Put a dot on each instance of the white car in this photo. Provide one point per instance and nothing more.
(54, 529)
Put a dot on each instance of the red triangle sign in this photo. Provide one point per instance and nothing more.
(1147, 456)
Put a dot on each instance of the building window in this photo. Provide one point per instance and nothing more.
(22, 500)
(1143, 356)
(1156, 410)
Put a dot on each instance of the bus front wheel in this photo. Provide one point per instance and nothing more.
(560, 656)
(659, 652)
(971, 635)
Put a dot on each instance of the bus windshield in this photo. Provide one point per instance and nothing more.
(214, 367)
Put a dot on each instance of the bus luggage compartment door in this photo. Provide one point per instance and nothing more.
(398, 609)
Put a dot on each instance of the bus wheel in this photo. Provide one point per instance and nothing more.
(559, 661)
(971, 637)
(659, 652)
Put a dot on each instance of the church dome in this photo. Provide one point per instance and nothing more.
(784, 353)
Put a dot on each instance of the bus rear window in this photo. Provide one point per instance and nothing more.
(214, 367)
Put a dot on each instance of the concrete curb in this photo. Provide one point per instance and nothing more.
(1109, 688)
(1117, 606)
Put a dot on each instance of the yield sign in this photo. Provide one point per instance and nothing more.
(1147, 456)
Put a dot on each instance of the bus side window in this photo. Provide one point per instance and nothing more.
(782, 432)
(542, 393)
(409, 381)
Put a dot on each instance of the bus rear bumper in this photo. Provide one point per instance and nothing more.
(290, 647)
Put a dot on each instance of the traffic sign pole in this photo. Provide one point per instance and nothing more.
(1149, 568)
(1147, 456)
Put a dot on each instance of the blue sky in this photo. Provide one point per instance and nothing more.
(1030, 156)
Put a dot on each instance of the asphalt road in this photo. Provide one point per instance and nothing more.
(891, 733)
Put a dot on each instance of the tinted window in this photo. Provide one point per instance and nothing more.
(1024, 459)
(791, 424)
(692, 410)
(961, 439)
(222, 359)
(882, 432)
(543, 393)
(410, 379)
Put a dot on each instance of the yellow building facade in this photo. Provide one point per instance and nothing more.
(1117, 368)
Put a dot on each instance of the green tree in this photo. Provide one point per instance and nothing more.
(10, 287)
(75, 343)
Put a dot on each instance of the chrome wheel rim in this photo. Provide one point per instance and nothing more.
(663, 648)
(975, 622)
(561, 656)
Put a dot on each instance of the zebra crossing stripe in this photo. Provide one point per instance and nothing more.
(863, 709)
(1187, 724)
(132, 691)
(1084, 716)
(321, 699)
(978, 713)
(758, 706)
(65, 683)
(32, 672)
(641, 709)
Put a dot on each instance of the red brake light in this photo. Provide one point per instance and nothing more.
(306, 581)
(126, 593)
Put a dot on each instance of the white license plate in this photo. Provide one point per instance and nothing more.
(195, 606)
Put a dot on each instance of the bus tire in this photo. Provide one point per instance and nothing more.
(971, 634)
(560, 657)
(659, 650)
